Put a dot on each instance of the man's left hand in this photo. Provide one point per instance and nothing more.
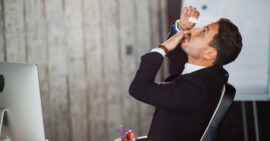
(186, 13)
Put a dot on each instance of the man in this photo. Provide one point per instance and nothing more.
(187, 99)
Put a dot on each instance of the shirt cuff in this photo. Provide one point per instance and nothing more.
(159, 50)
(176, 26)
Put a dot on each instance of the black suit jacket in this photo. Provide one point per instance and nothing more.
(185, 104)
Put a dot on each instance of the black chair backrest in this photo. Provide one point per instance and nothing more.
(224, 104)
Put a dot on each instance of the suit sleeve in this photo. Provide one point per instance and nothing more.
(177, 57)
(184, 95)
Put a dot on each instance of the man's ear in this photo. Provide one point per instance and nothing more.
(211, 53)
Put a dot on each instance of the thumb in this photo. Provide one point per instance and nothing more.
(172, 42)
(178, 36)
(186, 32)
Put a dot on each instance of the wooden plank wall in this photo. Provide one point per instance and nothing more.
(87, 52)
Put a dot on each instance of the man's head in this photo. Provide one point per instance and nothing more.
(218, 43)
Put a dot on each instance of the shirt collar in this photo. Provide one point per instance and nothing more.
(189, 68)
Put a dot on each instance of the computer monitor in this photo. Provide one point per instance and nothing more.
(21, 99)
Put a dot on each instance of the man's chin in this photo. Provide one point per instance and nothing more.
(184, 44)
(184, 47)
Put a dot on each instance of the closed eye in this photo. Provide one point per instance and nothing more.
(203, 32)
(205, 29)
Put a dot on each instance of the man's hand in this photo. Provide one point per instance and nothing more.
(187, 12)
(185, 15)
(172, 42)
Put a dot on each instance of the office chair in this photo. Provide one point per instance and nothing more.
(224, 104)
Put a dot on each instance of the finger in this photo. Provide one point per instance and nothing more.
(197, 15)
(180, 36)
(186, 32)
(191, 24)
(189, 11)
(172, 42)
(185, 11)
(193, 12)
(176, 37)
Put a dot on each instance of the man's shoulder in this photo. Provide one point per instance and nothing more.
(210, 75)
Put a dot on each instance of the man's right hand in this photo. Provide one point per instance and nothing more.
(173, 41)
(185, 15)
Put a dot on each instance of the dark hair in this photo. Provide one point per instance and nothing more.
(227, 41)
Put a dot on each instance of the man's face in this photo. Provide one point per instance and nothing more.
(197, 46)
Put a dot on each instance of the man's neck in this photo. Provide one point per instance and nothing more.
(204, 63)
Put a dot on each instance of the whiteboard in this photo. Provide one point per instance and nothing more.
(249, 73)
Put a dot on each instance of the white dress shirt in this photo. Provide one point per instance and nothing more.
(189, 68)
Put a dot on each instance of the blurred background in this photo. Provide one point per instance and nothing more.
(87, 52)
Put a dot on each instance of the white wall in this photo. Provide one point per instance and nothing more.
(249, 73)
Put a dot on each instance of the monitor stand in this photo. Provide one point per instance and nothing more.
(2, 114)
